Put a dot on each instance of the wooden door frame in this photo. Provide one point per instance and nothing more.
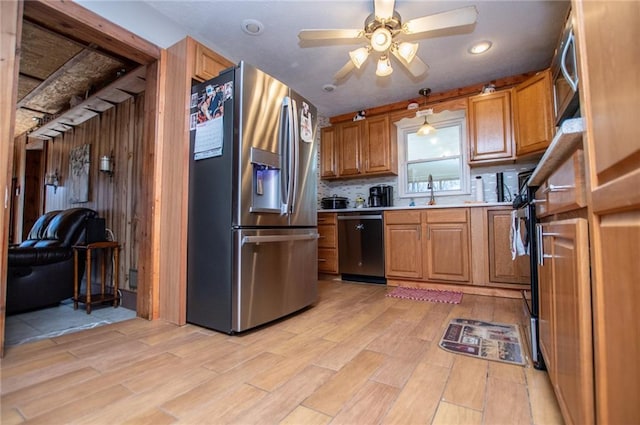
(73, 20)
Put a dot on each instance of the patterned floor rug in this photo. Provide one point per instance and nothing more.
(433, 295)
(485, 340)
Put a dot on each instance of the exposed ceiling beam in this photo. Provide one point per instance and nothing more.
(113, 38)
(30, 77)
(60, 71)
(85, 45)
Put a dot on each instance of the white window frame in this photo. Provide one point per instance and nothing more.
(407, 126)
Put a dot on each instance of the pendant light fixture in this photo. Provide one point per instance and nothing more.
(426, 128)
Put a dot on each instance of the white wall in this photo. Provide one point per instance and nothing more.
(139, 18)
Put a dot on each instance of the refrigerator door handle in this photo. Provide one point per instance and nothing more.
(295, 147)
(284, 138)
(278, 238)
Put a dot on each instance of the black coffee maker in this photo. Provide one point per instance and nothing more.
(375, 196)
(381, 196)
(387, 195)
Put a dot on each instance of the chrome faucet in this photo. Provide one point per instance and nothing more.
(432, 199)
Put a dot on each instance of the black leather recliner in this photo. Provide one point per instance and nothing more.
(40, 269)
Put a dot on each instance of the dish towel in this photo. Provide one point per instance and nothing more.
(517, 246)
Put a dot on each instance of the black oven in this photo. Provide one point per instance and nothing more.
(524, 205)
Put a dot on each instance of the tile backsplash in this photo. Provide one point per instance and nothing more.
(351, 188)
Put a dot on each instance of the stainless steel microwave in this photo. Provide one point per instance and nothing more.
(564, 71)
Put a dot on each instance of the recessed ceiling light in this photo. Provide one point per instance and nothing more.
(480, 47)
(328, 88)
(252, 27)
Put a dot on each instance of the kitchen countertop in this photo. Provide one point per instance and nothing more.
(420, 207)
(567, 138)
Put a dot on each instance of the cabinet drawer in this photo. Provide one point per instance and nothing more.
(447, 215)
(564, 190)
(327, 218)
(402, 217)
(327, 260)
(327, 238)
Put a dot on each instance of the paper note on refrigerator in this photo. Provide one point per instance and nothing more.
(209, 139)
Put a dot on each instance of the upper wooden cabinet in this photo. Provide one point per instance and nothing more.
(511, 123)
(377, 153)
(533, 114)
(208, 63)
(358, 148)
(328, 146)
(490, 127)
(350, 137)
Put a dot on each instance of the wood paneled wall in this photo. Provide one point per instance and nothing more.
(117, 132)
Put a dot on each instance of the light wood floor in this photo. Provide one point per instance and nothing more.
(356, 357)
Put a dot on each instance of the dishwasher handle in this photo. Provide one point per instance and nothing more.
(360, 217)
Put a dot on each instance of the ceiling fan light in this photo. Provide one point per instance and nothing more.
(384, 66)
(358, 56)
(408, 51)
(480, 47)
(381, 39)
(426, 128)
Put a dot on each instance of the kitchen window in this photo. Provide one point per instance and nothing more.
(441, 154)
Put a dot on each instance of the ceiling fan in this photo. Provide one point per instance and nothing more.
(384, 31)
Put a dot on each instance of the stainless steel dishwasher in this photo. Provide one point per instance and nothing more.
(361, 246)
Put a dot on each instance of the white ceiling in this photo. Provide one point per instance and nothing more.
(524, 36)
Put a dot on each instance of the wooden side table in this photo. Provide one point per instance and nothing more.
(94, 248)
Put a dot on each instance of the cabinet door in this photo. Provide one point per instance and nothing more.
(447, 254)
(376, 152)
(565, 317)
(610, 90)
(502, 268)
(546, 302)
(328, 260)
(533, 114)
(490, 129)
(349, 138)
(403, 251)
(328, 167)
(208, 63)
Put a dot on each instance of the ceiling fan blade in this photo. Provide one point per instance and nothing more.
(329, 34)
(417, 67)
(383, 9)
(346, 69)
(453, 18)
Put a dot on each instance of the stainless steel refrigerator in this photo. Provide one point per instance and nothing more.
(252, 225)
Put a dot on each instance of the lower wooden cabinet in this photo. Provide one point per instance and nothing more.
(403, 244)
(502, 267)
(430, 245)
(565, 316)
(327, 243)
(446, 234)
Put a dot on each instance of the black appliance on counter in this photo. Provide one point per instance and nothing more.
(524, 204)
(381, 196)
(334, 202)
